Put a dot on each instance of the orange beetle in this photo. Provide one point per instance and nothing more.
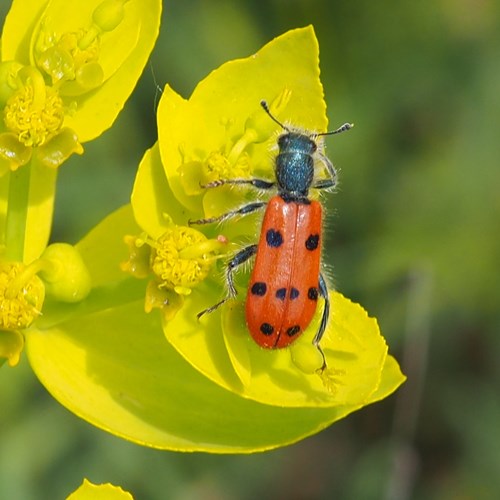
(286, 281)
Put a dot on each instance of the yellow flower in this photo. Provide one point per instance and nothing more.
(77, 70)
(177, 257)
(221, 132)
(21, 296)
(66, 71)
(34, 113)
(209, 387)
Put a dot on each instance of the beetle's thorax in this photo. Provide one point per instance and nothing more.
(295, 166)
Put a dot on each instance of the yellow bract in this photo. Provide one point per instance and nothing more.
(89, 491)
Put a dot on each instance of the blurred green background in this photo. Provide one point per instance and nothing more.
(413, 235)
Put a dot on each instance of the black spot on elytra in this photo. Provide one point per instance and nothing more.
(312, 293)
(259, 288)
(312, 242)
(281, 293)
(294, 293)
(293, 330)
(274, 238)
(266, 329)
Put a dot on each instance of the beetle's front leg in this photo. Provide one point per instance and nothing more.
(244, 210)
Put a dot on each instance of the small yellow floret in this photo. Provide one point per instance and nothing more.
(34, 114)
(216, 166)
(182, 258)
(21, 296)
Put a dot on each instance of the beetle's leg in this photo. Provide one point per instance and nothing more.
(325, 184)
(244, 210)
(241, 257)
(323, 291)
(331, 181)
(256, 183)
(332, 172)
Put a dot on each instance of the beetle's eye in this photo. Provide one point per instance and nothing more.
(283, 140)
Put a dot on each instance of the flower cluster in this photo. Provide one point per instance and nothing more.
(221, 132)
(46, 82)
(60, 62)
(172, 380)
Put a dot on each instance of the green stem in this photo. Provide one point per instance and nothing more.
(17, 213)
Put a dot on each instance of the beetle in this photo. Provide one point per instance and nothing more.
(286, 280)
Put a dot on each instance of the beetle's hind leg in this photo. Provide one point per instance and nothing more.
(323, 291)
(241, 257)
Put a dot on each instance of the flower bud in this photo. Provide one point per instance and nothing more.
(64, 273)
(307, 357)
(109, 14)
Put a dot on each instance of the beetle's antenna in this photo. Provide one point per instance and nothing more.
(342, 128)
(268, 111)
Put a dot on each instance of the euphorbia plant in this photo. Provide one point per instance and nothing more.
(66, 70)
(110, 325)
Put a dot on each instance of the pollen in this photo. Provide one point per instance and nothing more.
(218, 166)
(182, 258)
(21, 296)
(35, 114)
